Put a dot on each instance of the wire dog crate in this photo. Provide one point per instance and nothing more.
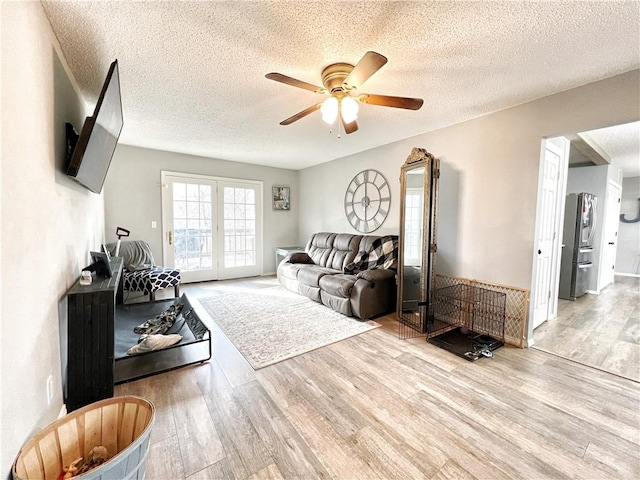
(468, 321)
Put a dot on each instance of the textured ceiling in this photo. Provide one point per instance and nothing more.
(621, 143)
(192, 72)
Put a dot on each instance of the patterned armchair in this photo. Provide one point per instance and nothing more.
(141, 274)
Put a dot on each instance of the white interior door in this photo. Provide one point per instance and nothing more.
(212, 226)
(611, 223)
(547, 243)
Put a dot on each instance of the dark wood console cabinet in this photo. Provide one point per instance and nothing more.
(99, 331)
(90, 338)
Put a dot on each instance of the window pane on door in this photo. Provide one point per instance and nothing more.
(192, 226)
(239, 227)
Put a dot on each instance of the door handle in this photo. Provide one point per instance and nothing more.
(170, 237)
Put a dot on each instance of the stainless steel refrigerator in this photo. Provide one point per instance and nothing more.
(579, 232)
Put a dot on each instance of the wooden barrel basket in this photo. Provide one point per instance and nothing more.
(121, 424)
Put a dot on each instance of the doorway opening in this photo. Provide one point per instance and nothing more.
(588, 329)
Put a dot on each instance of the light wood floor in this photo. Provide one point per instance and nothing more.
(598, 330)
(376, 407)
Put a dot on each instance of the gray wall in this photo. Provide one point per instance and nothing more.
(133, 195)
(489, 180)
(49, 223)
(628, 252)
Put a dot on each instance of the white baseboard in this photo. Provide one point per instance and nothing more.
(63, 411)
(593, 292)
(635, 275)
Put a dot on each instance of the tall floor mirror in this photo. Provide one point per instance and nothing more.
(417, 242)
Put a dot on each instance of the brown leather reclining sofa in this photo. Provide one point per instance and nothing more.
(351, 274)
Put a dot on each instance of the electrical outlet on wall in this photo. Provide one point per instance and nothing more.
(154, 224)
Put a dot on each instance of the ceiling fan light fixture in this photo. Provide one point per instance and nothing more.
(339, 81)
(349, 108)
(329, 110)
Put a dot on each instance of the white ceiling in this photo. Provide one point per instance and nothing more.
(621, 143)
(193, 73)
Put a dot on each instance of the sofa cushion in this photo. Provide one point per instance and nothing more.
(375, 252)
(311, 275)
(345, 249)
(338, 285)
(340, 305)
(310, 292)
(333, 250)
(319, 247)
(290, 270)
(300, 257)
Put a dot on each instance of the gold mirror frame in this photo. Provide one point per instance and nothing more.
(414, 316)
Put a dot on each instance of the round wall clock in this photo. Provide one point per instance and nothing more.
(367, 200)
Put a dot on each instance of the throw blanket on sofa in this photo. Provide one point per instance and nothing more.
(383, 254)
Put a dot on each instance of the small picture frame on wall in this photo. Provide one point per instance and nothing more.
(281, 198)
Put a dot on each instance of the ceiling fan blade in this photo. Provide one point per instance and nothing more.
(389, 101)
(301, 114)
(369, 64)
(348, 127)
(278, 77)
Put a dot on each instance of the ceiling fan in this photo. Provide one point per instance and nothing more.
(340, 80)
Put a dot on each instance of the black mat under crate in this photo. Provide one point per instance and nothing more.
(466, 344)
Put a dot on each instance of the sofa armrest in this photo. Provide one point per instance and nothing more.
(298, 257)
(376, 275)
(374, 293)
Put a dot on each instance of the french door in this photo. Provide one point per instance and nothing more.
(212, 227)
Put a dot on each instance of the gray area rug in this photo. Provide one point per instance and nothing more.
(269, 325)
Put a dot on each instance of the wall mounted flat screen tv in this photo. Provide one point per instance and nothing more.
(93, 150)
